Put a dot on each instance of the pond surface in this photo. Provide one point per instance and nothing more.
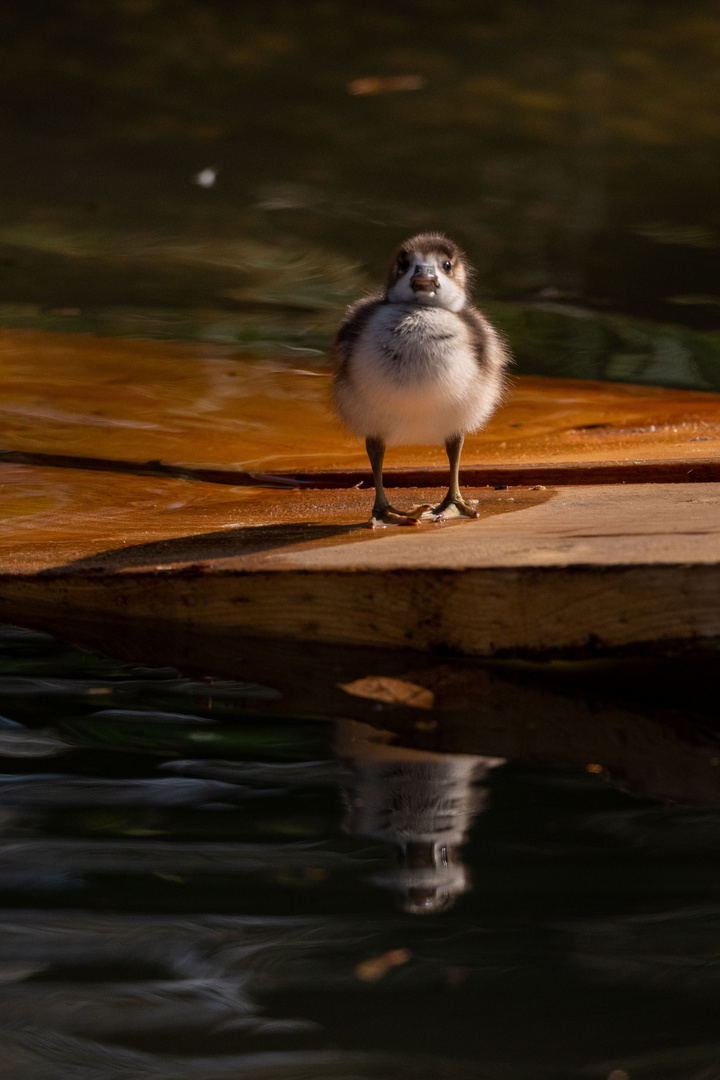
(196, 882)
(238, 173)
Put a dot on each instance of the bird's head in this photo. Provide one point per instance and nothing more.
(431, 271)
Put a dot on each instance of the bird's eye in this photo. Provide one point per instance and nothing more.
(447, 266)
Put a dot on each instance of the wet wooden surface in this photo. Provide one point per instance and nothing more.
(202, 407)
(111, 504)
(123, 528)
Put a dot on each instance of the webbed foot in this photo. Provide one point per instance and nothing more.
(383, 516)
(451, 508)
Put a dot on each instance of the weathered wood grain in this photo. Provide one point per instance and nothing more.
(113, 510)
(613, 566)
(199, 407)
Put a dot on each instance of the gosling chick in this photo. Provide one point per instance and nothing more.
(416, 363)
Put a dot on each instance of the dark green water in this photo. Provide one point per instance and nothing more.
(188, 892)
(573, 149)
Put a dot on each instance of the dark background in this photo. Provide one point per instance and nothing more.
(573, 149)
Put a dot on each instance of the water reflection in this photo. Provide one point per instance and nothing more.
(196, 885)
(423, 803)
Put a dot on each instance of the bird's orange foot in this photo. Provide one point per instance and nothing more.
(452, 508)
(388, 515)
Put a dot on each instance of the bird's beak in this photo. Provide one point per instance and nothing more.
(424, 279)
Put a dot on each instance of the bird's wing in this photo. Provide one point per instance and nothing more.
(355, 320)
(489, 347)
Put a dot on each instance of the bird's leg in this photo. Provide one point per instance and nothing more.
(383, 513)
(454, 501)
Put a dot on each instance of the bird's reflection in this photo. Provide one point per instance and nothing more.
(421, 802)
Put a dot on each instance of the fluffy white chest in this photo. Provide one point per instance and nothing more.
(409, 344)
(413, 377)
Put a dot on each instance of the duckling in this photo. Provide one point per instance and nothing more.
(416, 363)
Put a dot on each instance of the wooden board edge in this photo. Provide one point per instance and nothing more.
(476, 612)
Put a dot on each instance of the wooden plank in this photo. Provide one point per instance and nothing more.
(509, 611)
(540, 570)
(85, 526)
(546, 566)
(201, 409)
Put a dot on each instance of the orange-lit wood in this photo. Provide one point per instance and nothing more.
(197, 405)
(546, 565)
(539, 570)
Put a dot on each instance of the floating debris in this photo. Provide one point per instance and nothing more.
(392, 691)
(378, 966)
(388, 84)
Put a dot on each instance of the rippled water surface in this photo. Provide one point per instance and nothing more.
(196, 884)
(238, 172)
